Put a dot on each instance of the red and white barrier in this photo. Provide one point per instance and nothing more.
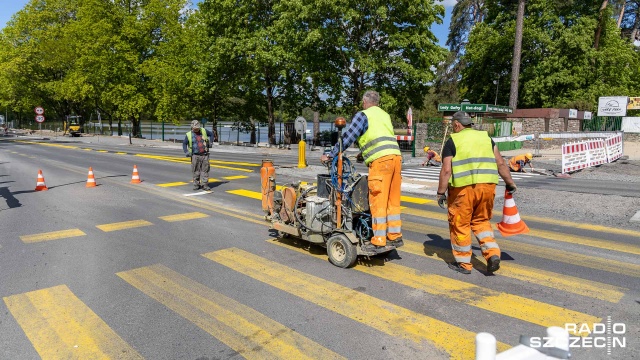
(614, 147)
(575, 156)
(404, 138)
(597, 152)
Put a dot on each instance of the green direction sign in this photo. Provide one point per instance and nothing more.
(449, 107)
(474, 108)
(499, 109)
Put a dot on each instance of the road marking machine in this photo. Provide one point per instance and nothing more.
(334, 213)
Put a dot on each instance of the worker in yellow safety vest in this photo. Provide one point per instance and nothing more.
(373, 131)
(471, 164)
(517, 163)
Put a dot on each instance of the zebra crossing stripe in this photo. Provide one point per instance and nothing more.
(366, 309)
(61, 326)
(248, 332)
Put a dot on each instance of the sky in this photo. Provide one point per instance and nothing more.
(10, 7)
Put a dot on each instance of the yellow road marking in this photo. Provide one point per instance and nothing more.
(549, 235)
(123, 225)
(102, 151)
(54, 235)
(414, 200)
(376, 313)
(188, 161)
(235, 177)
(88, 149)
(177, 183)
(61, 326)
(49, 144)
(183, 217)
(570, 224)
(121, 153)
(236, 163)
(592, 262)
(572, 284)
(246, 193)
(514, 306)
(248, 332)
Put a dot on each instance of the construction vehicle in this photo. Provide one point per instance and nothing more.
(333, 214)
(72, 125)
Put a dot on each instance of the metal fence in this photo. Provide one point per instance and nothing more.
(603, 123)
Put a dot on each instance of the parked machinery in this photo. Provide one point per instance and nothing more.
(334, 213)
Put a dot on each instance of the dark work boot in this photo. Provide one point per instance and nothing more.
(493, 264)
(458, 268)
(397, 242)
(196, 186)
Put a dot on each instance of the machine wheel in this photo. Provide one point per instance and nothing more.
(342, 253)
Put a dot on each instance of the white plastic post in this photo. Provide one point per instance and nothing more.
(560, 337)
(485, 346)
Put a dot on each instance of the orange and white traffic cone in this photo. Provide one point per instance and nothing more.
(40, 185)
(511, 223)
(135, 177)
(91, 180)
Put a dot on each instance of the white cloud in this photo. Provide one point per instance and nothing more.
(447, 3)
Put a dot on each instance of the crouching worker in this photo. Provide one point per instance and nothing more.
(517, 163)
(470, 167)
(433, 159)
(196, 146)
(372, 130)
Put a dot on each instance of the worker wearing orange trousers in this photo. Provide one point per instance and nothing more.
(470, 168)
(371, 128)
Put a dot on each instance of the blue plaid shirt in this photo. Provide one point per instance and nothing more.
(359, 125)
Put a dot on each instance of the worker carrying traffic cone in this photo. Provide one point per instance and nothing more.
(91, 180)
(135, 177)
(40, 185)
(511, 223)
(471, 167)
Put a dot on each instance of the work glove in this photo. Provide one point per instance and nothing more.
(442, 200)
(511, 188)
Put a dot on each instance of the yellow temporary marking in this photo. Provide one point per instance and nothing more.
(88, 149)
(188, 161)
(544, 234)
(61, 326)
(123, 225)
(246, 193)
(235, 177)
(49, 144)
(414, 200)
(376, 313)
(248, 332)
(592, 262)
(572, 284)
(54, 235)
(102, 151)
(121, 153)
(497, 213)
(236, 163)
(177, 183)
(514, 306)
(183, 217)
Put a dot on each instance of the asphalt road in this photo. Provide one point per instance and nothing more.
(153, 271)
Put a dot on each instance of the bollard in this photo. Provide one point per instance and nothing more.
(485, 346)
(302, 158)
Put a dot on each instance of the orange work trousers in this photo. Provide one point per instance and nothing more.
(470, 209)
(385, 183)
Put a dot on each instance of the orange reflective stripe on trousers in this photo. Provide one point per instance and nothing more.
(470, 209)
(385, 185)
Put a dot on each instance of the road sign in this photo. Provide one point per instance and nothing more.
(449, 107)
(474, 108)
(301, 125)
(40, 118)
(39, 110)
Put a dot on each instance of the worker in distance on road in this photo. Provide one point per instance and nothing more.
(196, 145)
(471, 163)
(372, 130)
(517, 163)
(433, 159)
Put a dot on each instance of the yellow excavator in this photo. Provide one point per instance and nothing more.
(72, 125)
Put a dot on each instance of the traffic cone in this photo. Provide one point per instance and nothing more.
(40, 185)
(91, 181)
(135, 178)
(511, 223)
